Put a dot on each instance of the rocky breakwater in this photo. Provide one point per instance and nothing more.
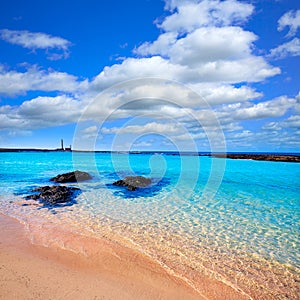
(57, 195)
(133, 182)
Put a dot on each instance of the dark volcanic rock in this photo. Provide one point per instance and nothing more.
(53, 195)
(133, 182)
(72, 177)
(266, 157)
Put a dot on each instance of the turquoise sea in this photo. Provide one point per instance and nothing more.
(234, 220)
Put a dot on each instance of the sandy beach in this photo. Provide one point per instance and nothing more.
(29, 271)
(34, 272)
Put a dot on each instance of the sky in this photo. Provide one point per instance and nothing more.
(185, 75)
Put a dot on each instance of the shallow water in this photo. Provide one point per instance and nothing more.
(234, 220)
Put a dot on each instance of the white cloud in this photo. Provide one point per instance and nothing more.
(212, 44)
(206, 54)
(160, 46)
(176, 123)
(272, 126)
(37, 40)
(245, 134)
(51, 109)
(220, 94)
(291, 48)
(152, 127)
(191, 15)
(90, 132)
(286, 130)
(292, 122)
(133, 68)
(90, 129)
(141, 144)
(158, 116)
(173, 131)
(13, 82)
(165, 98)
(290, 19)
(251, 69)
(268, 109)
(40, 112)
(33, 40)
(203, 45)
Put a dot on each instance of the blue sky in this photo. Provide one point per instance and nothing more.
(150, 74)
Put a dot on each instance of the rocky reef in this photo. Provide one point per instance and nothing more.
(57, 195)
(133, 182)
(72, 177)
(53, 195)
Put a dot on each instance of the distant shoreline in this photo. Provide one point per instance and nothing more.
(262, 156)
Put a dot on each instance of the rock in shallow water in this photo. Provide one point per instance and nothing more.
(72, 177)
(53, 195)
(133, 182)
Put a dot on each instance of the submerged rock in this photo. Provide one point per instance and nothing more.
(133, 182)
(72, 177)
(53, 195)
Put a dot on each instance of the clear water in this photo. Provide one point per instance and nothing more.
(235, 220)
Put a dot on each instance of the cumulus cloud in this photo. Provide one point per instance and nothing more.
(290, 19)
(191, 124)
(291, 48)
(133, 68)
(211, 44)
(204, 52)
(37, 40)
(190, 15)
(250, 111)
(172, 130)
(50, 108)
(160, 46)
(40, 112)
(165, 97)
(202, 45)
(215, 94)
(34, 79)
(250, 69)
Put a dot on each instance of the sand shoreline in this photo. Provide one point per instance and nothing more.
(30, 271)
(110, 272)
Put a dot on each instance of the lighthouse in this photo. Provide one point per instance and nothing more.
(62, 144)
